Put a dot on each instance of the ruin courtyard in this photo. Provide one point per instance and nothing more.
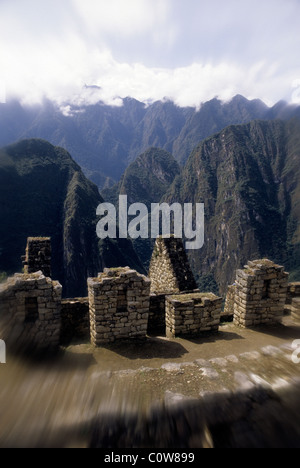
(135, 342)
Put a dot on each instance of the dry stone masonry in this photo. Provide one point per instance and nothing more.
(192, 314)
(170, 271)
(38, 256)
(119, 305)
(122, 304)
(261, 291)
(30, 312)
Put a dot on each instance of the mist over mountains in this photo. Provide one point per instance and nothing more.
(104, 140)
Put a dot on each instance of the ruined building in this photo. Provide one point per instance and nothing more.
(259, 294)
(119, 305)
(123, 304)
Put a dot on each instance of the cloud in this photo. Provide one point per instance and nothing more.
(186, 51)
(122, 18)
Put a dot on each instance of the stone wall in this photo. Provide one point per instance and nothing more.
(170, 271)
(30, 312)
(119, 305)
(75, 320)
(191, 314)
(261, 290)
(228, 312)
(38, 256)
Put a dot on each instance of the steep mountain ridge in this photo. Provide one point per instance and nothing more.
(104, 140)
(146, 179)
(248, 177)
(43, 192)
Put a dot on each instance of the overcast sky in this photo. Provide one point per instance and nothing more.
(187, 50)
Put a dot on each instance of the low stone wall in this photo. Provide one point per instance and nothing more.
(261, 290)
(119, 305)
(30, 312)
(75, 320)
(191, 314)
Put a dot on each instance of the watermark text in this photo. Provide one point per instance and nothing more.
(136, 222)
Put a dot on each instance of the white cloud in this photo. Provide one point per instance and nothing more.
(122, 17)
(187, 51)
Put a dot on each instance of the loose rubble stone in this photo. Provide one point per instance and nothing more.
(222, 362)
(243, 381)
(210, 373)
(271, 351)
(171, 367)
(251, 355)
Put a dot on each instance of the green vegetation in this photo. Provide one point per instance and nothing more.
(44, 193)
(104, 140)
(248, 177)
(3, 277)
(207, 283)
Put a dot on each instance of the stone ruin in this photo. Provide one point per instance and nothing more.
(192, 314)
(38, 256)
(30, 317)
(119, 305)
(170, 270)
(123, 304)
(170, 273)
(260, 294)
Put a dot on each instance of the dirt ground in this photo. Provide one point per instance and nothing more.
(43, 402)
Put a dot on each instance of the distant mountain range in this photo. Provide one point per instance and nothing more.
(241, 159)
(43, 192)
(104, 140)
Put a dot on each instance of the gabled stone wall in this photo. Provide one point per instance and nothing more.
(30, 312)
(170, 271)
(119, 305)
(261, 291)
